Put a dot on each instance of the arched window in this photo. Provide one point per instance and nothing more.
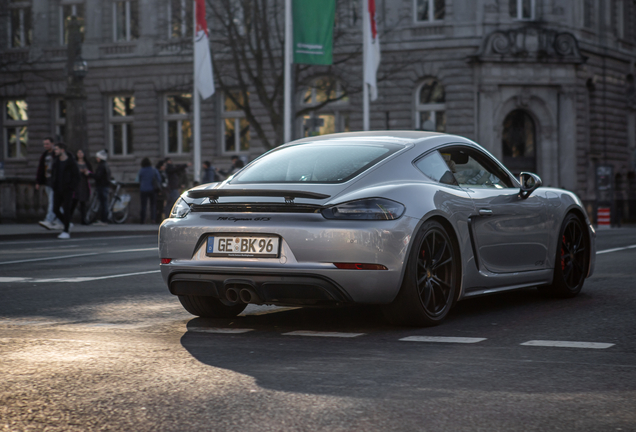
(519, 142)
(326, 103)
(430, 106)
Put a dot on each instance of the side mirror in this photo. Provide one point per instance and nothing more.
(529, 182)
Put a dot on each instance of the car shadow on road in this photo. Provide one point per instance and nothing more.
(377, 365)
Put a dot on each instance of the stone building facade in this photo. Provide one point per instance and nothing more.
(546, 85)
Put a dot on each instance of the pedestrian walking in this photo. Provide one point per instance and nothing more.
(66, 177)
(102, 185)
(44, 179)
(83, 193)
(175, 174)
(149, 185)
(209, 173)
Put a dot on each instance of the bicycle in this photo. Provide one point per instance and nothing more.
(117, 206)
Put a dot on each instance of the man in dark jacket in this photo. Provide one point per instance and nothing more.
(66, 177)
(175, 173)
(43, 179)
(209, 173)
(102, 185)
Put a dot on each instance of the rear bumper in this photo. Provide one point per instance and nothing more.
(279, 289)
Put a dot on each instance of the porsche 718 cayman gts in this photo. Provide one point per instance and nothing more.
(413, 221)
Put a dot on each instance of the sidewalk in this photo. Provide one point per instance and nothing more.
(17, 231)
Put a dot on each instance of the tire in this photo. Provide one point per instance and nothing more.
(120, 216)
(431, 280)
(209, 307)
(92, 212)
(571, 262)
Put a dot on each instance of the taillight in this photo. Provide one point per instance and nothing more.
(358, 266)
(166, 260)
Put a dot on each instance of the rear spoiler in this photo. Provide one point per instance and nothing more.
(289, 195)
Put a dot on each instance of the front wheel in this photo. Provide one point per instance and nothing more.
(571, 261)
(93, 211)
(209, 307)
(430, 282)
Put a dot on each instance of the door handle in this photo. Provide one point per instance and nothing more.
(485, 212)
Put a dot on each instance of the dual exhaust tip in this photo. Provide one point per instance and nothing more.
(242, 295)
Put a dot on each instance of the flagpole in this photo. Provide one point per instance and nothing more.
(196, 121)
(365, 87)
(287, 131)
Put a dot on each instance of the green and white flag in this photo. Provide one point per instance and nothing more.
(313, 31)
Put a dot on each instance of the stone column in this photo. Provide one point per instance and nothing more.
(567, 138)
(76, 123)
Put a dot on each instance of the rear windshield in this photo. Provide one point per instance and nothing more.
(315, 162)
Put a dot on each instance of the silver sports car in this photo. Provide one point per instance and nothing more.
(413, 221)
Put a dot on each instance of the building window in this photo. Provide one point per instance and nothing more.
(236, 128)
(429, 10)
(180, 19)
(327, 104)
(60, 118)
(121, 124)
(521, 9)
(178, 123)
(66, 12)
(20, 26)
(430, 106)
(125, 21)
(16, 135)
(519, 142)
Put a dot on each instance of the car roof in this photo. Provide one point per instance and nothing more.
(387, 136)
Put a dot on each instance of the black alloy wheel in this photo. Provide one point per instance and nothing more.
(435, 270)
(573, 254)
(571, 263)
(431, 279)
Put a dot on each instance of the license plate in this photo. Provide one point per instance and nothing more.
(243, 246)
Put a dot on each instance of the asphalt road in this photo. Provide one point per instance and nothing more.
(90, 339)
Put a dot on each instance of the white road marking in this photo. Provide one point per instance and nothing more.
(49, 258)
(75, 279)
(77, 255)
(442, 339)
(568, 344)
(615, 249)
(323, 334)
(134, 250)
(219, 330)
(265, 310)
(20, 323)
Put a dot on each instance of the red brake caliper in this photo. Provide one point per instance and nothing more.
(562, 255)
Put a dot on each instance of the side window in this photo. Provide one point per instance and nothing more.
(475, 170)
(434, 167)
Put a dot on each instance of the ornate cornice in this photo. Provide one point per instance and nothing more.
(530, 44)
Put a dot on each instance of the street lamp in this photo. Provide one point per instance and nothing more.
(80, 68)
(75, 97)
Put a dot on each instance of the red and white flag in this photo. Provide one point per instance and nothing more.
(202, 58)
(371, 47)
